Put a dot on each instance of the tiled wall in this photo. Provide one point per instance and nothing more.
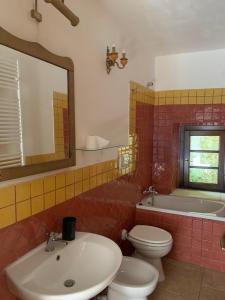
(173, 109)
(29, 198)
(104, 200)
(101, 197)
(195, 240)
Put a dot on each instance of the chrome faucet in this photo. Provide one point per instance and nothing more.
(151, 191)
(52, 239)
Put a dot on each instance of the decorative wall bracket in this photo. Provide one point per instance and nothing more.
(58, 4)
(35, 14)
(111, 59)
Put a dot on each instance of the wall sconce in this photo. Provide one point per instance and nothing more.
(111, 59)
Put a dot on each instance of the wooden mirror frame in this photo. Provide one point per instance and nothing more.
(36, 50)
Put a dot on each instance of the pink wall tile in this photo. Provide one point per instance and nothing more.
(194, 238)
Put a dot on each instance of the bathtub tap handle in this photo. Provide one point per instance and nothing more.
(150, 190)
(222, 242)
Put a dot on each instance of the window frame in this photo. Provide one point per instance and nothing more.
(185, 133)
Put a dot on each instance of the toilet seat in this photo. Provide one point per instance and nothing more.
(150, 235)
(150, 244)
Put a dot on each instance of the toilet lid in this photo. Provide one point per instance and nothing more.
(150, 234)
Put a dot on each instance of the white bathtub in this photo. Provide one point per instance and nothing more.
(185, 206)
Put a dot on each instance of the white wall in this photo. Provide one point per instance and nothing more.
(190, 70)
(101, 100)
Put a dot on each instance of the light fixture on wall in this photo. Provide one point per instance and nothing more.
(58, 4)
(111, 59)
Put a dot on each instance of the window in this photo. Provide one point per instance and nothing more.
(202, 157)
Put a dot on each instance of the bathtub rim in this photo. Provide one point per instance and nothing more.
(181, 213)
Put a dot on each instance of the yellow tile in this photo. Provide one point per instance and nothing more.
(22, 191)
(78, 188)
(223, 99)
(104, 167)
(192, 93)
(110, 176)
(161, 94)
(177, 93)
(7, 196)
(86, 185)
(7, 216)
(209, 92)
(115, 174)
(60, 195)
(208, 100)
(99, 180)
(60, 180)
(104, 178)
(184, 93)
(86, 173)
(70, 192)
(176, 100)
(217, 99)
(200, 93)
(99, 168)
(78, 175)
(108, 166)
(223, 91)
(218, 92)
(37, 187)
(49, 184)
(169, 94)
(192, 100)
(49, 199)
(162, 100)
(93, 182)
(156, 101)
(23, 210)
(169, 100)
(70, 178)
(200, 100)
(184, 100)
(37, 204)
(93, 170)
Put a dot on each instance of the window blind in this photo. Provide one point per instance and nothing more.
(11, 153)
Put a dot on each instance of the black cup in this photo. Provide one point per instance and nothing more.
(69, 227)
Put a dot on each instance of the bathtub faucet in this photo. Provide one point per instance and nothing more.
(151, 191)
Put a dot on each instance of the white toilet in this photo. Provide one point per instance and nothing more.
(135, 280)
(151, 244)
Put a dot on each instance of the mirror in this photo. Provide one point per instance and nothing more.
(36, 109)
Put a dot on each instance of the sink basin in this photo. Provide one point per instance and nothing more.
(78, 271)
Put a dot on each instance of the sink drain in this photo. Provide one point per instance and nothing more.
(69, 283)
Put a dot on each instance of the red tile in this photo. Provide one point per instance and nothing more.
(197, 224)
(218, 228)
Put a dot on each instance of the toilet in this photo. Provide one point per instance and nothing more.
(135, 280)
(151, 244)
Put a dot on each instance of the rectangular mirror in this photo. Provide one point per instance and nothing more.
(36, 109)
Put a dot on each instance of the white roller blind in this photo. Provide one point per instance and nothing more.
(11, 153)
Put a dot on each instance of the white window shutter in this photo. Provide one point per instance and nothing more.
(11, 150)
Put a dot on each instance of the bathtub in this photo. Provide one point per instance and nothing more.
(198, 207)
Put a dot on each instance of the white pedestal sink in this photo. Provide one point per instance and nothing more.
(78, 271)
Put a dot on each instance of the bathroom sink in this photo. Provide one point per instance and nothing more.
(77, 271)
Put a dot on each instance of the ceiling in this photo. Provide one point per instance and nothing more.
(171, 26)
